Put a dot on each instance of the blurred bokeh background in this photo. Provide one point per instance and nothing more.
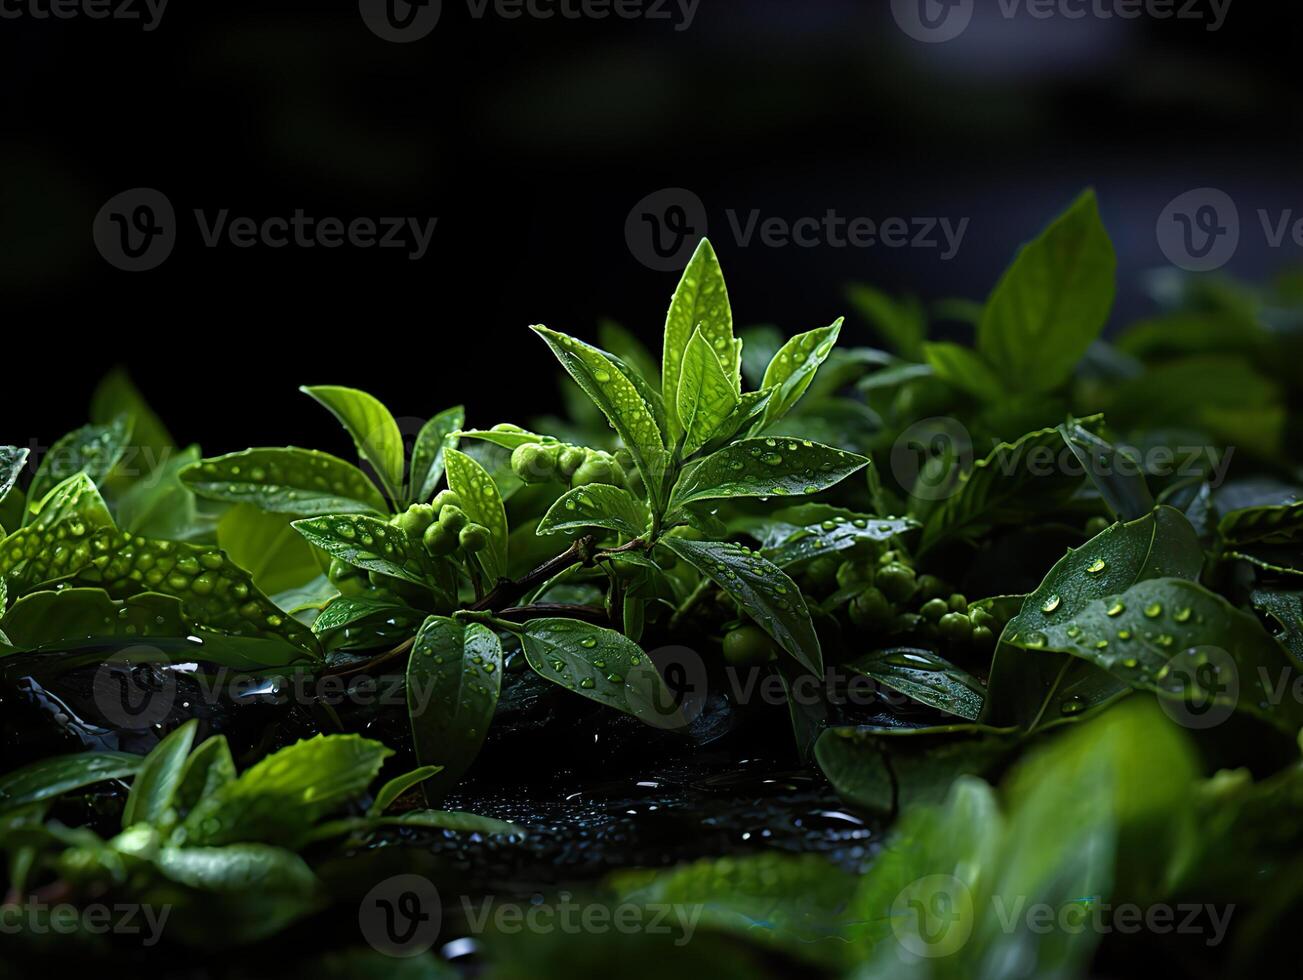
(530, 140)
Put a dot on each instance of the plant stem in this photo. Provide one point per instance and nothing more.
(687, 605)
(508, 591)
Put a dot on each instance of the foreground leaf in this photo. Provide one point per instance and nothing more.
(707, 394)
(619, 400)
(435, 437)
(156, 782)
(763, 591)
(296, 481)
(61, 774)
(597, 505)
(370, 543)
(1052, 303)
(374, 431)
(454, 675)
(793, 368)
(92, 449)
(765, 468)
(483, 505)
(925, 677)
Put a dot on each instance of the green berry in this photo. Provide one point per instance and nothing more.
(534, 463)
(341, 571)
(956, 627)
(958, 603)
(570, 459)
(980, 617)
(852, 573)
(597, 468)
(445, 498)
(931, 587)
(452, 519)
(415, 519)
(888, 557)
(983, 638)
(439, 541)
(1097, 525)
(934, 609)
(870, 610)
(474, 537)
(822, 572)
(897, 581)
(749, 646)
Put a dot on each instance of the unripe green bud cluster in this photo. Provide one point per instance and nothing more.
(544, 463)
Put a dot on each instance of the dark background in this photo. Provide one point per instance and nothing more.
(531, 141)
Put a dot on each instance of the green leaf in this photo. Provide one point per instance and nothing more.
(964, 369)
(278, 799)
(840, 531)
(1117, 475)
(509, 436)
(765, 468)
(1178, 640)
(901, 322)
(699, 302)
(117, 396)
(249, 891)
(455, 820)
(76, 496)
(1052, 303)
(42, 619)
(763, 591)
(208, 769)
(795, 904)
(156, 782)
(1279, 524)
(92, 449)
(374, 432)
(891, 770)
(483, 505)
(707, 395)
(360, 612)
(436, 436)
(399, 785)
(1029, 688)
(794, 367)
(1014, 482)
(370, 543)
(60, 774)
(454, 675)
(925, 677)
(267, 546)
(597, 505)
(302, 482)
(619, 400)
(214, 592)
(12, 461)
(160, 505)
(600, 664)
(1285, 609)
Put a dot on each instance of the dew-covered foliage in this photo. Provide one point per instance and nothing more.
(869, 662)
